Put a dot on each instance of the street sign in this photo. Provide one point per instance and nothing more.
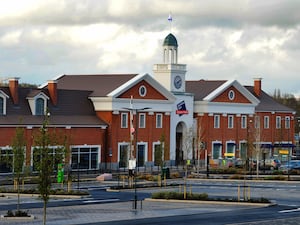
(132, 164)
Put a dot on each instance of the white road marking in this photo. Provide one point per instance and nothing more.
(289, 210)
(102, 200)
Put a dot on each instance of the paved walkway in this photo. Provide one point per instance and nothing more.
(92, 213)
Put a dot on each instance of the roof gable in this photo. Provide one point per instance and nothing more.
(149, 92)
(131, 88)
(242, 95)
(231, 95)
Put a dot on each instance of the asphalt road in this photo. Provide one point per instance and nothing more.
(286, 194)
(275, 215)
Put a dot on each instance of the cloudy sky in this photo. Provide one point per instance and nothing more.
(218, 39)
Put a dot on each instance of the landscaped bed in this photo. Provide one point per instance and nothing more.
(202, 197)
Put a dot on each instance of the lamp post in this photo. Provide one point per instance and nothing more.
(132, 130)
(289, 127)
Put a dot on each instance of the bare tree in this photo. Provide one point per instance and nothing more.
(45, 158)
(18, 149)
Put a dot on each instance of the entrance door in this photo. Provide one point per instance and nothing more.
(180, 129)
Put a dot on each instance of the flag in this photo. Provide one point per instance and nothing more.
(170, 18)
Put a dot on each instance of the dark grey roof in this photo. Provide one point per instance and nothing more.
(100, 84)
(267, 103)
(170, 40)
(202, 88)
(73, 108)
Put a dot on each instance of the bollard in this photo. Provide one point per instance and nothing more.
(159, 180)
(248, 192)
(239, 193)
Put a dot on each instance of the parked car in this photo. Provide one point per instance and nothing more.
(291, 165)
(269, 164)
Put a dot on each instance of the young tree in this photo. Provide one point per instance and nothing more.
(18, 150)
(49, 151)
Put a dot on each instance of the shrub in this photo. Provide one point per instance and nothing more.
(179, 196)
(18, 213)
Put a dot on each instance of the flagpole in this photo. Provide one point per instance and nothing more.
(170, 20)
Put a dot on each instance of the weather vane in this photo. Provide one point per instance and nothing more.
(170, 21)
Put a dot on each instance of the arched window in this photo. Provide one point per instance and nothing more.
(39, 106)
(1, 105)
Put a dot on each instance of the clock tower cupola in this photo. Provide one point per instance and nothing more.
(170, 74)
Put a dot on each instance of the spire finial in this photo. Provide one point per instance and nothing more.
(170, 19)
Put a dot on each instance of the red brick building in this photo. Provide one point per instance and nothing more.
(109, 119)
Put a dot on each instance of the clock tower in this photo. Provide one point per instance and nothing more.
(170, 74)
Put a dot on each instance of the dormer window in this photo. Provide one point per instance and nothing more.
(1, 106)
(39, 106)
(3, 98)
(38, 103)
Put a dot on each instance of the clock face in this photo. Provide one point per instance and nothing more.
(177, 82)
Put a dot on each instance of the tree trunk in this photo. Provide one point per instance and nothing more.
(45, 211)
(18, 188)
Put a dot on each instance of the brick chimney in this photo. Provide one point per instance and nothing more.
(14, 89)
(257, 86)
(52, 88)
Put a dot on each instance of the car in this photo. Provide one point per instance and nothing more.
(269, 164)
(291, 165)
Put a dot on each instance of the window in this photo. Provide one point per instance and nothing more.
(231, 95)
(243, 150)
(3, 98)
(85, 158)
(217, 147)
(158, 154)
(123, 155)
(287, 122)
(257, 122)
(230, 150)
(244, 122)
(159, 120)
(124, 120)
(230, 121)
(142, 120)
(1, 105)
(142, 91)
(216, 121)
(142, 155)
(56, 153)
(39, 106)
(278, 122)
(6, 155)
(266, 122)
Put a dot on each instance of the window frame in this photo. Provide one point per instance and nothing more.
(124, 120)
(266, 122)
(230, 119)
(2, 107)
(278, 122)
(40, 106)
(142, 120)
(243, 122)
(287, 122)
(217, 121)
(159, 120)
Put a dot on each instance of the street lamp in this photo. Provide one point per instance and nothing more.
(132, 130)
